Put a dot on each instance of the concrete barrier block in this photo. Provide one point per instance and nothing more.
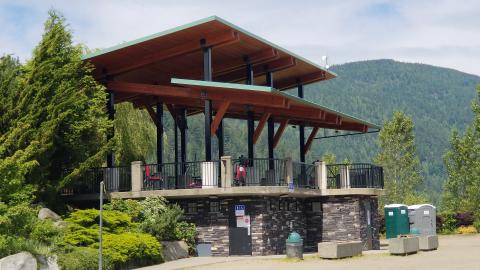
(338, 250)
(403, 245)
(428, 242)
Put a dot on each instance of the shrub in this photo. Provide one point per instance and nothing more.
(186, 231)
(449, 223)
(82, 258)
(160, 219)
(132, 208)
(45, 232)
(464, 219)
(476, 224)
(466, 230)
(131, 249)
(113, 221)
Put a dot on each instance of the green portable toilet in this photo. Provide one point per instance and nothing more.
(396, 220)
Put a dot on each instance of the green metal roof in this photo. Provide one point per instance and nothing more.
(195, 23)
(246, 87)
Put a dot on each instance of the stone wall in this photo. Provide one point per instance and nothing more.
(340, 218)
(211, 227)
(344, 219)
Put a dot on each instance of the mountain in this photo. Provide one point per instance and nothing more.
(438, 99)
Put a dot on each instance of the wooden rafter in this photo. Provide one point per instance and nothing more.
(309, 142)
(278, 134)
(260, 126)
(258, 70)
(152, 113)
(222, 109)
(306, 79)
(196, 94)
(212, 40)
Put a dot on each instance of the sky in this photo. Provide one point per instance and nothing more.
(437, 32)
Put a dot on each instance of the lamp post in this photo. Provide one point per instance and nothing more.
(100, 257)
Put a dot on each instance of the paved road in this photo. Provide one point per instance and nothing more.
(456, 252)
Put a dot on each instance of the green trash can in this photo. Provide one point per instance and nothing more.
(294, 246)
(396, 220)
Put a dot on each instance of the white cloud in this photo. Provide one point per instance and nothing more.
(437, 32)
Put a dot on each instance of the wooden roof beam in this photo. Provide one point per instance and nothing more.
(222, 109)
(212, 40)
(278, 134)
(260, 126)
(258, 70)
(237, 97)
(294, 82)
(309, 142)
(254, 59)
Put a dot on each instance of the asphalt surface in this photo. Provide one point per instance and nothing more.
(455, 252)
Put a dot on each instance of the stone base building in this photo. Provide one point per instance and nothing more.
(330, 218)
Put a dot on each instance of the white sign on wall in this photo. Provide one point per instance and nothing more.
(239, 210)
(390, 213)
(244, 222)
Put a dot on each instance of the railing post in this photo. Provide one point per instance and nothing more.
(289, 170)
(226, 174)
(136, 175)
(321, 174)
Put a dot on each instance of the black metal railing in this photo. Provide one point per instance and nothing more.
(357, 175)
(115, 179)
(195, 174)
(259, 172)
(304, 175)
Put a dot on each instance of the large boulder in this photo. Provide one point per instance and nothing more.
(174, 250)
(46, 213)
(19, 261)
(48, 263)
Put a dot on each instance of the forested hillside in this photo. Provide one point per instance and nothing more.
(438, 99)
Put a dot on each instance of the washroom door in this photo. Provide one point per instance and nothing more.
(369, 220)
(240, 237)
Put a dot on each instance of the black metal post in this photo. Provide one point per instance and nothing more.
(221, 150)
(111, 132)
(301, 128)
(208, 134)
(271, 127)
(183, 139)
(251, 130)
(249, 71)
(207, 76)
(175, 153)
(159, 124)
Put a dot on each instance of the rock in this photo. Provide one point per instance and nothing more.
(49, 263)
(60, 224)
(19, 261)
(174, 250)
(46, 213)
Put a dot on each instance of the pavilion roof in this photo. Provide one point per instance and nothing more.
(148, 69)
(177, 53)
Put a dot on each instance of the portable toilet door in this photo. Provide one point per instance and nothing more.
(396, 220)
(422, 217)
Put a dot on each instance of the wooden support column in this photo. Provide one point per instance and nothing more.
(260, 126)
(301, 129)
(219, 116)
(310, 138)
(207, 76)
(111, 132)
(279, 132)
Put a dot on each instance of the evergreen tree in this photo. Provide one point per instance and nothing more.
(462, 189)
(399, 160)
(10, 70)
(61, 123)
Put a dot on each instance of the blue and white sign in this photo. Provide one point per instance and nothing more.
(291, 188)
(239, 210)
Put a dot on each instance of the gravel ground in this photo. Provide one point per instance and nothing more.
(455, 252)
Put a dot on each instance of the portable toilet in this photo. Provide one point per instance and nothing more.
(396, 220)
(422, 218)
